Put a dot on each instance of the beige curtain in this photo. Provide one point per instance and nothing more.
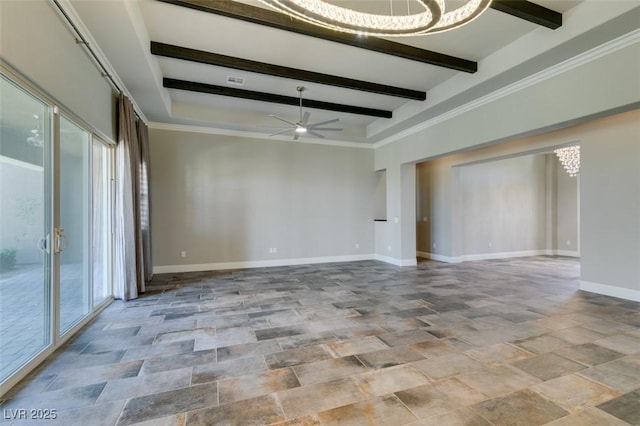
(145, 200)
(128, 265)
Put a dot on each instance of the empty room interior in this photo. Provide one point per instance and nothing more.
(313, 212)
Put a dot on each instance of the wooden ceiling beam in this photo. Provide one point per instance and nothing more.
(261, 16)
(193, 86)
(200, 56)
(529, 12)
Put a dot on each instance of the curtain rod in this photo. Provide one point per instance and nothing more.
(80, 39)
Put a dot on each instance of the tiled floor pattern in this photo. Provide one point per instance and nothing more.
(501, 342)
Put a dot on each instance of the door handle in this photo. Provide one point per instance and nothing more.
(43, 244)
(61, 241)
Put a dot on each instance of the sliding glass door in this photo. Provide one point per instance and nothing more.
(55, 227)
(25, 264)
(72, 233)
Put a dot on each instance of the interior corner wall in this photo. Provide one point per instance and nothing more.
(36, 42)
(230, 201)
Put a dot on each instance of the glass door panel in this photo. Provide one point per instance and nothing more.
(101, 221)
(72, 233)
(25, 265)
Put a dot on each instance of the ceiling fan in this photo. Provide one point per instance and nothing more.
(303, 126)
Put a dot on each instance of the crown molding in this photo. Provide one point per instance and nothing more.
(560, 68)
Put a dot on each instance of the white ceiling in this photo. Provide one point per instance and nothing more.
(123, 30)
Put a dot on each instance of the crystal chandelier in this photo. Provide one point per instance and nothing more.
(570, 159)
(429, 16)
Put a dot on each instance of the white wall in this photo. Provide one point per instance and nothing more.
(35, 41)
(227, 200)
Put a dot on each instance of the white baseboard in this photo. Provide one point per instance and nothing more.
(164, 269)
(387, 259)
(611, 290)
(395, 261)
(502, 255)
(567, 253)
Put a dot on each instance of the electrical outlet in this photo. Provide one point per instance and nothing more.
(434, 245)
(490, 244)
(569, 242)
(183, 253)
(395, 220)
(424, 218)
(388, 248)
(357, 245)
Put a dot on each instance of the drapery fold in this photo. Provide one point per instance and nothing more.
(132, 238)
(145, 199)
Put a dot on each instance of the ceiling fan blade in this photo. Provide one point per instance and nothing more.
(323, 123)
(284, 131)
(282, 119)
(317, 135)
(328, 129)
(305, 118)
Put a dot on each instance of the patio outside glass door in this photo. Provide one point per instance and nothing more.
(25, 262)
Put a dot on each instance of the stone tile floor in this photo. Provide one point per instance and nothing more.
(499, 342)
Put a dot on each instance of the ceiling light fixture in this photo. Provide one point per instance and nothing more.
(430, 16)
(570, 159)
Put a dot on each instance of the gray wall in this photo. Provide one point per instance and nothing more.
(567, 235)
(599, 212)
(231, 199)
(502, 206)
(610, 205)
(505, 206)
(609, 221)
(433, 221)
(523, 112)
